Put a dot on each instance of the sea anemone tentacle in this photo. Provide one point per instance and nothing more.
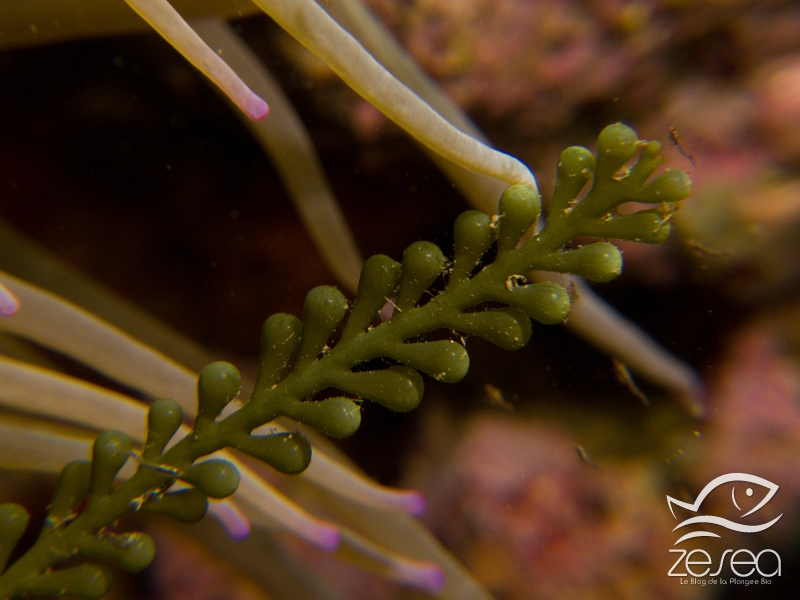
(173, 28)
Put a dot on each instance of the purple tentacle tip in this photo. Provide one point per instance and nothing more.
(327, 537)
(415, 503)
(435, 580)
(255, 108)
(231, 518)
(426, 576)
(9, 304)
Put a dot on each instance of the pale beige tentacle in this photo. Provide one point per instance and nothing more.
(58, 397)
(596, 322)
(591, 317)
(51, 321)
(307, 22)
(285, 139)
(172, 27)
(27, 443)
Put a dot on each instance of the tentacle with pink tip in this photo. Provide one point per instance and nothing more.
(172, 27)
(46, 394)
(9, 304)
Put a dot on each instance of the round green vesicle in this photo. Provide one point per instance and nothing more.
(135, 552)
(520, 207)
(84, 581)
(379, 280)
(380, 276)
(673, 185)
(397, 388)
(599, 262)
(219, 383)
(473, 234)
(280, 341)
(287, 452)
(444, 360)
(336, 417)
(189, 505)
(575, 168)
(110, 451)
(616, 145)
(646, 226)
(163, 419)
(508, 328)
(131, 551)
(13, 521)
(73, 486)
(576, 162)
(324, 308)
(545, 302)
(216, 478)
(423, 263)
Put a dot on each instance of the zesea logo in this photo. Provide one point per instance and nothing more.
(696, 564)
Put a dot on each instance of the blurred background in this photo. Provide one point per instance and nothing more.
(545, 474)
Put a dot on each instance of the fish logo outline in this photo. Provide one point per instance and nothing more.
(726, 523)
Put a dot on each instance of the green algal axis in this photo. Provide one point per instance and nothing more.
(297, 361)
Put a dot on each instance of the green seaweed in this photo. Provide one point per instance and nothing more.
(491, 299)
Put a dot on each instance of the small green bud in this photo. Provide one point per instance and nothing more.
(73, 486)
(163, 419)
(84, 581)
(280, 340)
(423, 263)
(324, 309)
(600, 262)
(652, 148)
(216, 478)
(648, 161)
(673, 185)
(647, 226)
(397, 388)
(380, 277)
(520, 207)
(575, 167)
(616, 145)
(13, 521)
(336, 417)
(131, 551)
(576, 162)
(218, 384)
(473, 234)
(189, 505)
(287, 452)
(545, 302)
(509, 328)
(111, 451)
(444, 360)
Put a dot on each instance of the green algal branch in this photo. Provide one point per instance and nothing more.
(297, 362)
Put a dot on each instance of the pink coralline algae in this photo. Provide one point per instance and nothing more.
(533, 61)
(532, 520)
